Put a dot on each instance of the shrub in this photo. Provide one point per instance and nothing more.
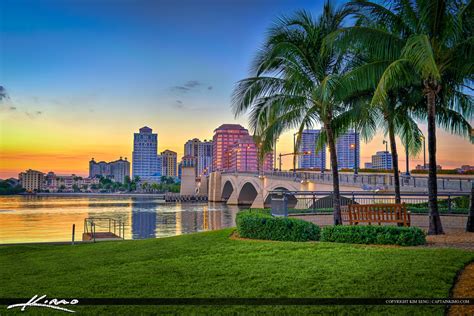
(382, 235)
(262, 225)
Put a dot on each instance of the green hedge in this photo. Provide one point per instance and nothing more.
(383, 235)
(262, 225)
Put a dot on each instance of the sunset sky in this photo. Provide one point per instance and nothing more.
(83, 76)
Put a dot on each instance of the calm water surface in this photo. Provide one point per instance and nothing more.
(47, 218)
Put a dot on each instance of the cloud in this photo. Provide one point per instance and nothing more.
(187, 86)
(210, 88)
(179, 104)
(12, 108)
(34, 114)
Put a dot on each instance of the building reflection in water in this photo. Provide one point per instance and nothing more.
(155, 220)
(143, 220)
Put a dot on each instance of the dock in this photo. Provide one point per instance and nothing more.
(103, 229)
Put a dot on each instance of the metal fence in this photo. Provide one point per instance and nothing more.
(322, 201)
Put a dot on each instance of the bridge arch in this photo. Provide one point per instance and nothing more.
(247, 194)
(227, 190)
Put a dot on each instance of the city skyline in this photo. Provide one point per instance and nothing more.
(88, 94)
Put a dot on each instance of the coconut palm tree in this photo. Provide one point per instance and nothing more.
(293, 84)
(428, 45)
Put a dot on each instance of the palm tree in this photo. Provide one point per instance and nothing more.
(293, 84)
(427, 45)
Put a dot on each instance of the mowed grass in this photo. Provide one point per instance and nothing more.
(213, 265)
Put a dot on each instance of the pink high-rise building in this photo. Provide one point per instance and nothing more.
(267, 163)
(235, 150)
(243, 156)
(225, 136)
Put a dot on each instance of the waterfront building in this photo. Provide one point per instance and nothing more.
(348, 150)
(31, 180)
(116, 170)
(368, 165)
(191, 147)
(67, 183)
(225, 136)
(202, 153)
(146, 163)
(243, 155)
(169, 158)
(268, 162)
(465, 168)
(382, 160)
(420, 167)
(204, 158)
(315, 159)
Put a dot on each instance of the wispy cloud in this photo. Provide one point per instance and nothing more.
(190, 85)
(33, 114)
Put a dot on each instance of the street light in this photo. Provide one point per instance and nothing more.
(294, 151)
(407, 173)
(246, 149)
(424, 152)
(354, 147)
(386, 153)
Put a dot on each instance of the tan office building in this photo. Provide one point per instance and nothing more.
(169, 163)
(31, 180)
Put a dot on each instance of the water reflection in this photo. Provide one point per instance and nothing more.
(40, 218)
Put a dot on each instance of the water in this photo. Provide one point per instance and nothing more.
(47, 218)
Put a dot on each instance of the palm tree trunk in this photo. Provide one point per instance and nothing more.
(393, 149)
(335, 176)
(435, 227)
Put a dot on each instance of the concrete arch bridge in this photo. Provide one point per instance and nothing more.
(254, 189)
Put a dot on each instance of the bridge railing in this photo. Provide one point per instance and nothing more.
(322, 201)
(369, 181)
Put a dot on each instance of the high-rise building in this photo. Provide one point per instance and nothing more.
(191, 147)
(313, 159)
(169, 163)
(243, 155)
(382, 160)
(31, 180)
(225, 136)
(202, 153)
(204, 157)
(146, 163)
(116, 170)
(348, 150)
(97, 169)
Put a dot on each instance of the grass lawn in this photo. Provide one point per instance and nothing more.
(212, 265)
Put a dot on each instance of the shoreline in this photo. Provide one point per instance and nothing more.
(84, 194)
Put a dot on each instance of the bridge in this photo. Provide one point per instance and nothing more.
(254, 188)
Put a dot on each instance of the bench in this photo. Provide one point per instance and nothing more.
(376, 213)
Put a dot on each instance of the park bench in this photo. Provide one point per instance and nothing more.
(376, 213)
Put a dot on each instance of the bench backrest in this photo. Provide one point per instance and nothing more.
(387, 213)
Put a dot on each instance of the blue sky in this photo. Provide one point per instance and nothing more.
(83, 75)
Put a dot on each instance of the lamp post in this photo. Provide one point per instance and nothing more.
(246, 149)
(354, 147)
(280, 162)
(386, 153)
(294, 152)
(407, 173)
(424, 152)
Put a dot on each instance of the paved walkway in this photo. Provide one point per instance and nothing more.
(464, 288)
